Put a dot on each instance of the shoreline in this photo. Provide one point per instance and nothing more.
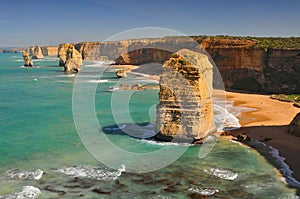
(268, 124)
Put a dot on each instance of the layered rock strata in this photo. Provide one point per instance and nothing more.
(185, 110)
(242, 65)
(70, 58)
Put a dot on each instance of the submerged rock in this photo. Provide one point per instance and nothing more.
(294, 127)
(185, 111)
(27, 59)
(70, 58)
(121, 73)
(243, 137)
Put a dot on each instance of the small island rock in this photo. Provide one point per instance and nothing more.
(27, 59)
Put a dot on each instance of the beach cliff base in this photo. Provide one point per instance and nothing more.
(269, 124)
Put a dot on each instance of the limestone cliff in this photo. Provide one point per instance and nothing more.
(70, 58)
(27, 59)
(50, 50)
(185, 110)
(36, 52)
(294, 127)
(242, 63)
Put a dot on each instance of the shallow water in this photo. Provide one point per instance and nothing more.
(40, 146)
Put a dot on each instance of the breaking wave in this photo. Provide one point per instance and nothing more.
(203, 191)
(25, 175)
(92, 172)
(222, 173)
(28, 192)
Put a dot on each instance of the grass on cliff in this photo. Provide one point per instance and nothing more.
(294, 98)
(261, 42)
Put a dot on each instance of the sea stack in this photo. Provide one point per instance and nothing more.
(27, 59)
(185, 110)
(36, 52)
(70, 58)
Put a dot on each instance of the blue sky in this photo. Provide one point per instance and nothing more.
(50, 22)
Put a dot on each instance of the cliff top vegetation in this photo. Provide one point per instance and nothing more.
(258, 42)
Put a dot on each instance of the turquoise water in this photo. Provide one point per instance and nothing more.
(37, 131)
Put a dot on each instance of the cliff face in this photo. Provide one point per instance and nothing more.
(50, 50)
(242, 66)
(254, 69)
(294, 127)
(70, 58)
(185, 110)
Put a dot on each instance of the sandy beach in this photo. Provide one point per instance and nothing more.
(269, 123)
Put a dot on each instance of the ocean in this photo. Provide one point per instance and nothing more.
(43, 155)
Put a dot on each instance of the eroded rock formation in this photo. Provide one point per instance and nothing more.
(294, 127)
(27, 59)
(242, 65)
(121, 73)
(36, 52)
(70, 58)
(185, 110)
(50, 50)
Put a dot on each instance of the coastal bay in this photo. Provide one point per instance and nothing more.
(268, 123)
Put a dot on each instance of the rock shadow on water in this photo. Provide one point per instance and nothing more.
(146, 131)
(137, 130)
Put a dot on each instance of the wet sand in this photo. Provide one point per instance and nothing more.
(269, 123)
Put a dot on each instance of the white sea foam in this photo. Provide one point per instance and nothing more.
(284, 168)
(203, 191)
(153, 142)
(25, 175)
(97, 81)
(98, 64)
(92, 172)
(28, 192)
(224, 119)
(222, 173)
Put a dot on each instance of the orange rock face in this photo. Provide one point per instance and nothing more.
(50, 50)
(70, 58)
(185, 111)
(242, 66)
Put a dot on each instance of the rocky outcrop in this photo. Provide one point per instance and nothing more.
(185, 111)
(36, 52)
(294, 127)
(243, 66)
(121, 73)
(69, 58)
(27, 59)
(50, 50)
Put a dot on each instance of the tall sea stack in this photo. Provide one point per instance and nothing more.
(27, 59)
(185, 111)
(70, 58)
(36, 52)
